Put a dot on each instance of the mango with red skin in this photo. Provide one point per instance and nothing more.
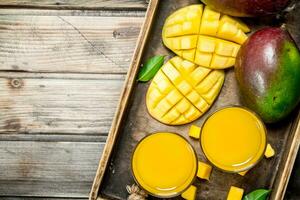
(268, 73)
(247, 8)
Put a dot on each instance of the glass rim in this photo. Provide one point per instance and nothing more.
(162, 196)
(264, 133)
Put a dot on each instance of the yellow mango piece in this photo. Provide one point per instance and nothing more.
(192, 114)
(204, 37)
(231, 32)
(195, 132)
(225, 48)
(172, 115)
(206, 44)
(243, 173)
(241, 25)
(189, 54)
(181, 91)
(210, 22)
(235, 193)
(183, 106)
(270, 152)
(190, 193)
(218, 61)
(204, 170)
(203, 59)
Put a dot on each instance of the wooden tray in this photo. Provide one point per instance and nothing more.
(132, 122)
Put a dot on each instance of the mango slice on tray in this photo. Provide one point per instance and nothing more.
(182, 91)
(203, 36)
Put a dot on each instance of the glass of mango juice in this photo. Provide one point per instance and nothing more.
(233, 139)
(164, 164)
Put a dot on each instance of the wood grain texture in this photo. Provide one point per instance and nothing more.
(50, 169)
(40, 198)
(33, 103)
(53, 126)
(70, 12)
(88, 44)
(77, 4)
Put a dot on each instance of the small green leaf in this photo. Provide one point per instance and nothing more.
(150, 68)
(260, 194)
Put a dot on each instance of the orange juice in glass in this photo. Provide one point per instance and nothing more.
(164, 164)
(233, 139)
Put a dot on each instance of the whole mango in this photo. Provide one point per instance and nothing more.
(247, 8)
(268, 73)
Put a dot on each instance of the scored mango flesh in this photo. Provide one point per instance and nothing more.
(201, 35)
(181, 91)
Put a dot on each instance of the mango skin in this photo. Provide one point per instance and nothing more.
(247, 8)
(268, 73)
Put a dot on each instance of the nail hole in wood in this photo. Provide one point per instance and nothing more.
(16, 83)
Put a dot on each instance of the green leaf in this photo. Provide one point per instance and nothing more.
(260, 194)
(150, 68)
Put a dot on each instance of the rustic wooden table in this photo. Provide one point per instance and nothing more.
(63, 63)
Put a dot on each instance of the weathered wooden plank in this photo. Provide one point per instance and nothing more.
(44, 188)
(53, 137)
(77, 4)
(51, 169)
(39, 198)
(67, 43)
(58, 103)
(64, 12)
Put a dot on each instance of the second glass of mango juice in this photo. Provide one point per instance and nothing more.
(233, 139)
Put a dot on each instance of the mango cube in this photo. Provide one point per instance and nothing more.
(204, 170)
(235, 193)
(195, 132)
(270, 152)
(235, 21)
(243, 173)
(190, 193)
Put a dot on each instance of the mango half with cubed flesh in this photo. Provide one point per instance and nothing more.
(181, 91)
(203, 36)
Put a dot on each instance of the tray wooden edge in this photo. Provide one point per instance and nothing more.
(124, 98)
(286, 168)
